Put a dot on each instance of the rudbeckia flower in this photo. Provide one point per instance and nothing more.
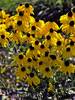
(64, 19)
(66, 67)
(42, 48)
(39, 23)
(36, 43)
(28, 9)
(28, 62)
(69, 50)
(3, 14)
(21, 7)
(40, 63)
(50, 87)
(49, 27)
(27, 38)
(4, 38)
(35, 30)
(54, 59)
(19, 25)
(59, 44)
(21, 72)
(19, 59)
(16, 37)
(67, 23)
(32, 79)
(3, 26)
(49, 40)
(10, 22)
(26, 21)
(31, 51)
(46, 71)
(68, 28)
(46, 59)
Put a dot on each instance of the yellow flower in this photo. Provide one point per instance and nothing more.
(46, 71)
(42, 48)
(64, 19)
(3, 14)
(29, 62)
(43, 67)
(19, 25)
(19, 59)
(22, 72)
(69, 50)
(55, 60)
(39, 23)
(45, 57)
(35, 30)
(49, 27)
(3, 26)
(16, 37)
(25, 21)
(36, 43)
(59, 44)
(27, 38)
(31, 20)
(32, 79)
(21, 7)
(49, 40)
(66, 67)
(40, 63)
(50, 87)
(28, 9)
(31, 51)
(68, 28)
(67, 23)
(4, 38)
(10, 22)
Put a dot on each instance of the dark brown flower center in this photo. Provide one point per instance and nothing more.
(2, 36)
(68, 49)
(29, 59)
(53, 57)
(21, 13)
(67, 63)
(47, 69)
(20, 56)
(28, 34)
(31, 74)
(27, 5)
(71, 23)
(19, 23)
(36, 42)
(70, 14)
(31, 48)
(23, 69)
(46, 54)
(42, 46)
(48, 37)
(51, 30)
(58, 43)
(40, 63)
(72, 43)
(33, 28)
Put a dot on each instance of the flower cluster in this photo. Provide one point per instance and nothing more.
(47, 47)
